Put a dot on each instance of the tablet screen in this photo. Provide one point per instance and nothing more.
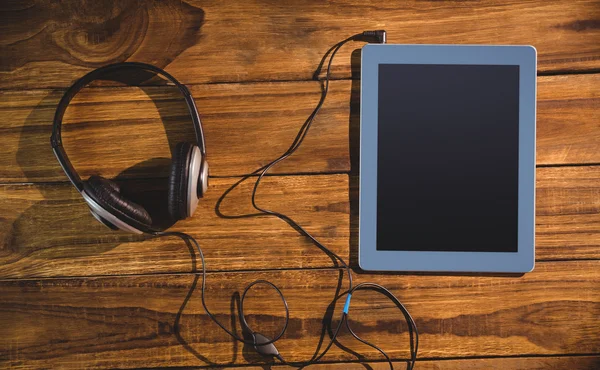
(447, 170)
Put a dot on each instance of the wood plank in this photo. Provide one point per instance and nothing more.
(67, 241)
(506, 363)
(46, 230)
(568, 120)
(45, 44)
(567, 212)
(529, 363)
(246, 126)
(129, 321)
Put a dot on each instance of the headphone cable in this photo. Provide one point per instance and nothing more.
(379, 36)
(414, 339)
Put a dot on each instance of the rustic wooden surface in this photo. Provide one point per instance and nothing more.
(238, 119)
(204, 41)
(48, 231)
(531, 363)
(75, 295)
(129, 321)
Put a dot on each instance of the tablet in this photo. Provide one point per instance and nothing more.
(447, 158)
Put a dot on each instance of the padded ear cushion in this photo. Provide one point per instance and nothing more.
(178, 181)
(107, 194)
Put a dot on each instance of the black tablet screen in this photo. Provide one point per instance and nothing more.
(447, 174)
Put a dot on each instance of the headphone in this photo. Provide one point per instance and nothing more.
(188, 177)
(188, 181)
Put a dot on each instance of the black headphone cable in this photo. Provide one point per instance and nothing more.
(262, 344)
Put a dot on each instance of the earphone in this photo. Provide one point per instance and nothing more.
(187, 182)
(188, 178)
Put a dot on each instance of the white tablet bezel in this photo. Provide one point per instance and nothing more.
(372, 259)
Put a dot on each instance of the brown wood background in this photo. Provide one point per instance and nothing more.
(75, 295)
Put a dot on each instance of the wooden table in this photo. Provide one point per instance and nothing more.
(75, 295)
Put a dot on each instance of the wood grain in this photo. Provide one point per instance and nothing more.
(76, 295)
(129, 321)
(49, 44)
(567, 212)
(128, 132)
(568, 120)
(46, 230)
(525, 363)
(67, 241)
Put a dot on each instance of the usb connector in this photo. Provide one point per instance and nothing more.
(376, 37)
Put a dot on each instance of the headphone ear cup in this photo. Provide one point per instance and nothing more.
(107, 195)
(179, 181)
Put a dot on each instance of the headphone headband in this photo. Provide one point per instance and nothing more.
(56, 139)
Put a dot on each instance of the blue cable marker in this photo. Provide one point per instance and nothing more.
(347, 305)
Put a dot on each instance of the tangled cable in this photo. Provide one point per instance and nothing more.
(261, 343)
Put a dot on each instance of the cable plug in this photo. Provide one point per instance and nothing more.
(376, 36)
